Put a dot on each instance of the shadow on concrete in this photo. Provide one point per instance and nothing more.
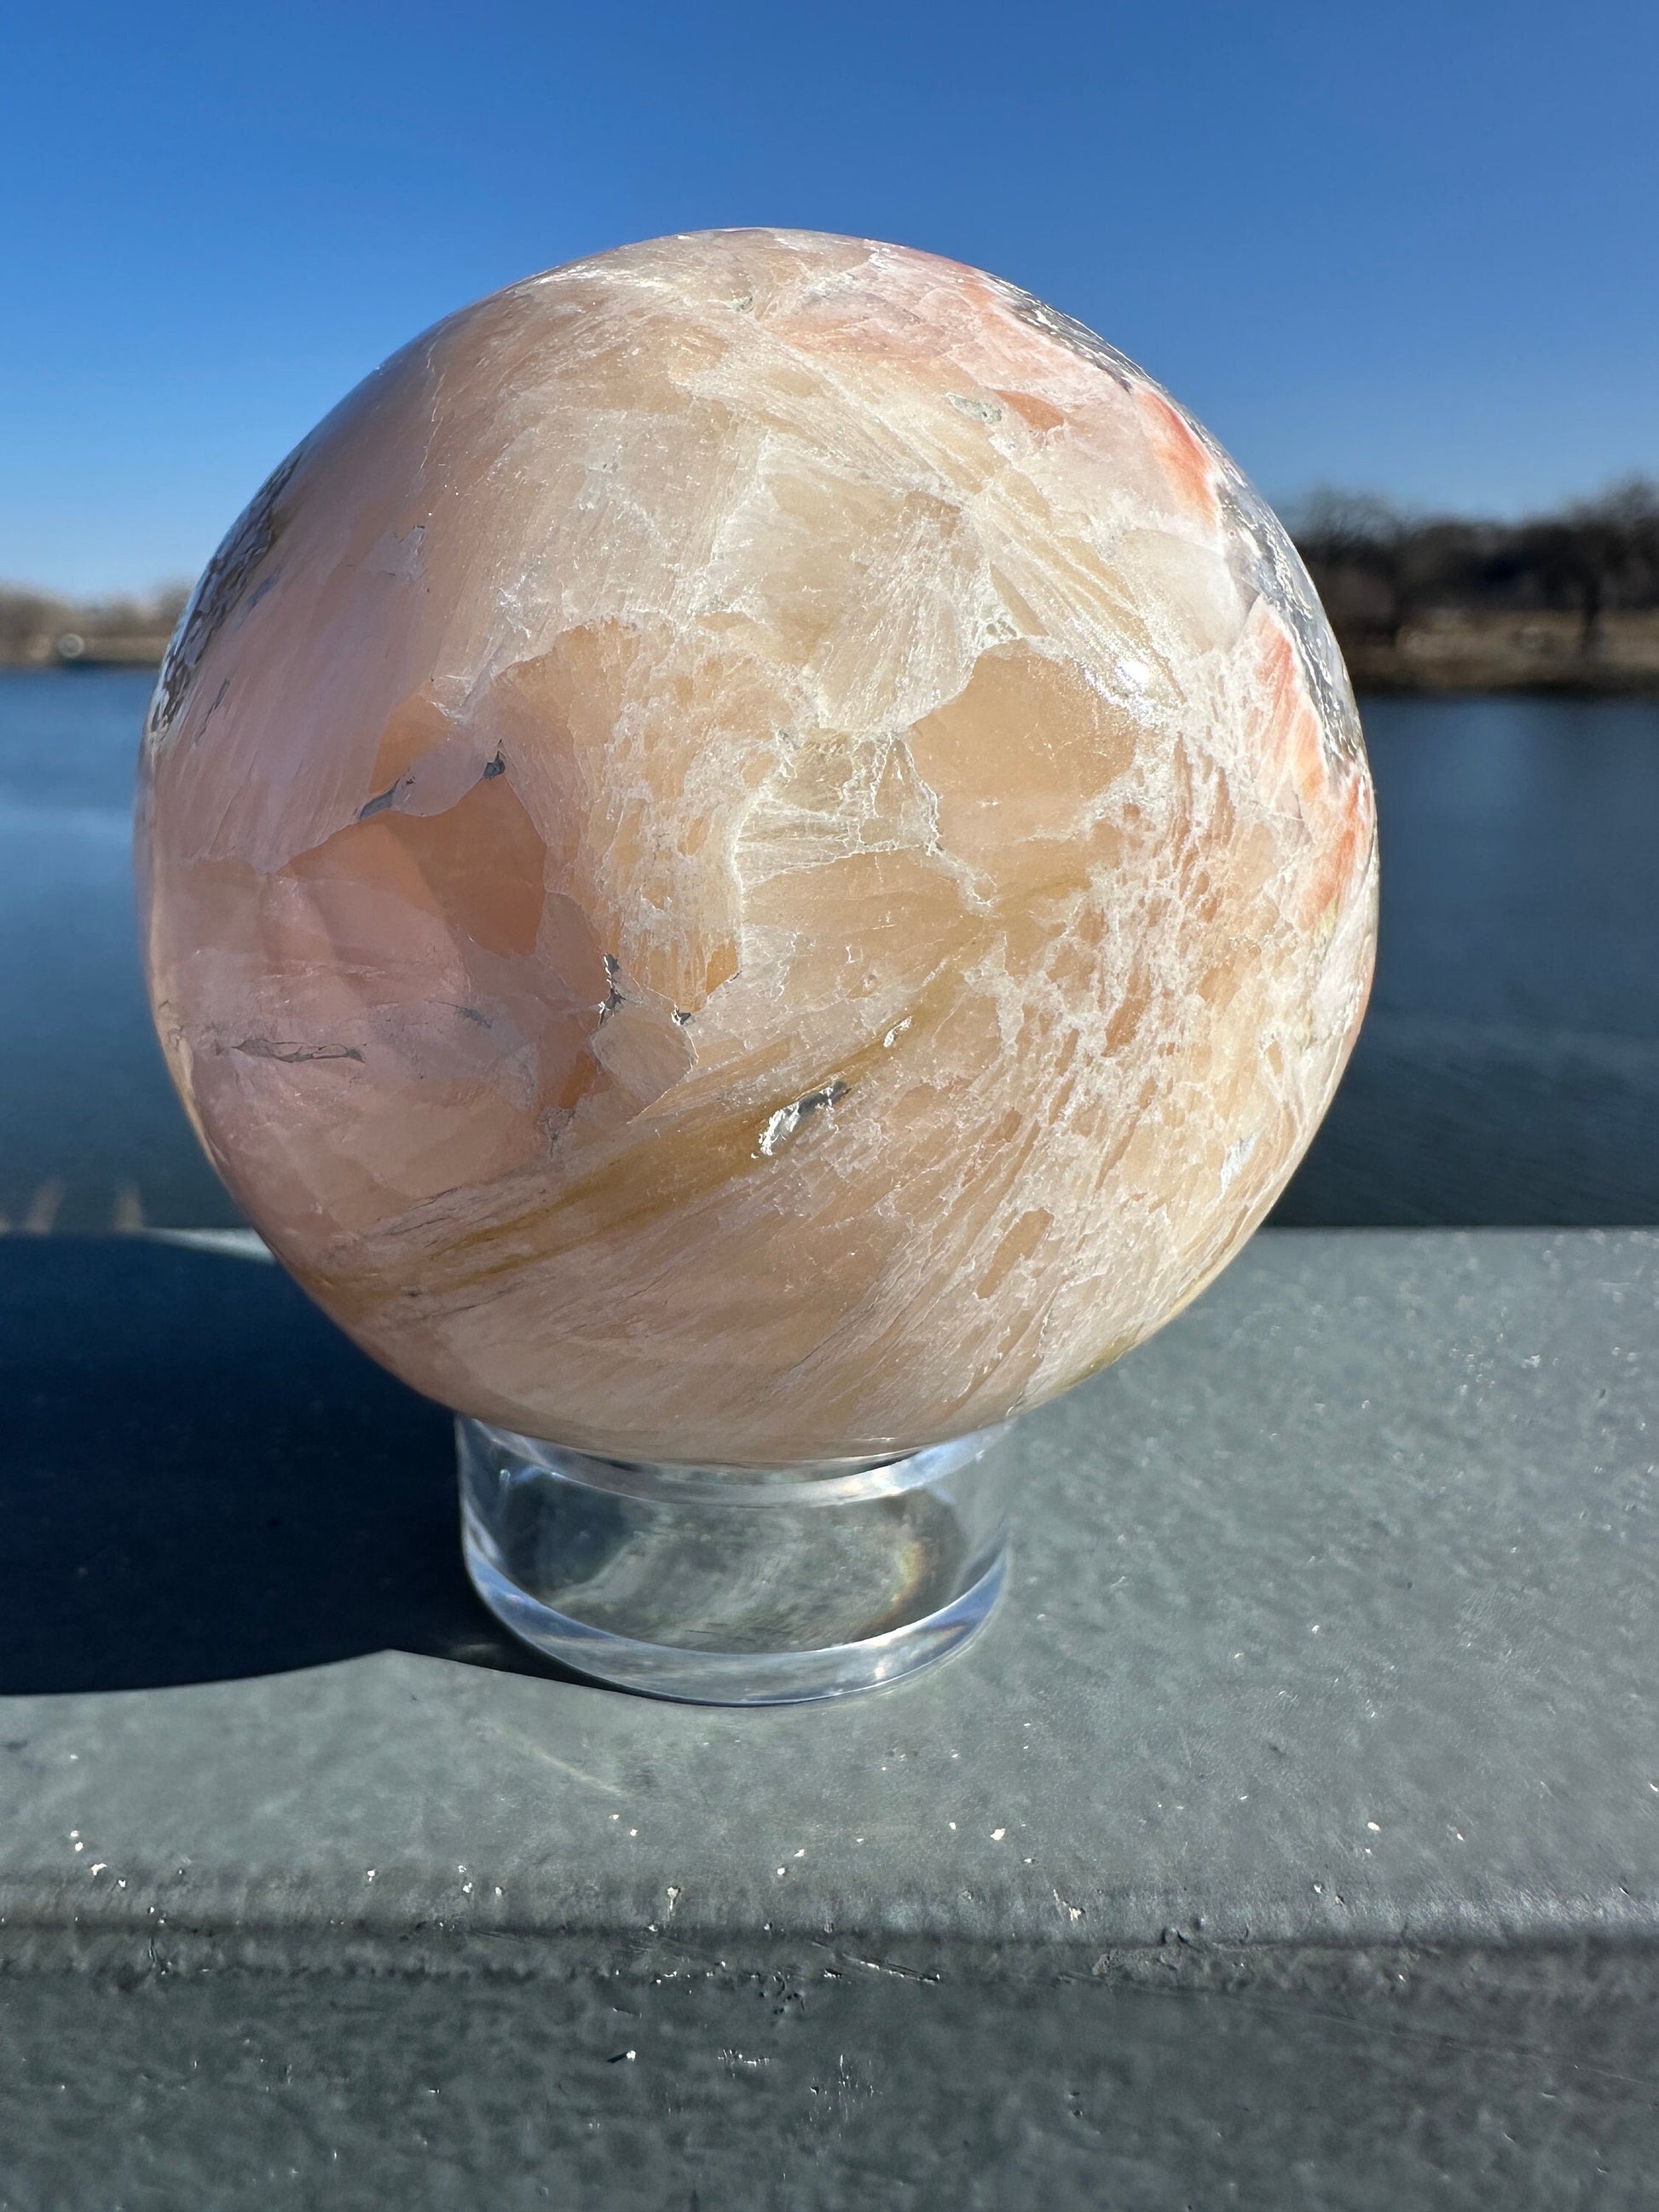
(200, 1480)
(1466, 1125)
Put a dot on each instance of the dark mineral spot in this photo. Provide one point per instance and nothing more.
(221, 592)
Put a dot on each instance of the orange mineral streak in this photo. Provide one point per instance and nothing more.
(1332, 792)
(1180, 452)
(755, 854)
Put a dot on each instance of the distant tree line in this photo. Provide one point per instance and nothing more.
(1380, 568)
(42, 626)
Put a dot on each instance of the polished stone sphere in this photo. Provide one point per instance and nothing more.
(756, 852)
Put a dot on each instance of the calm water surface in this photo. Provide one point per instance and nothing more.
(1509, 1071)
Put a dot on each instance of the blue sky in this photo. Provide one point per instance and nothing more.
(1402, 246)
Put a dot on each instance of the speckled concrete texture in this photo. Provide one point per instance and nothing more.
(1297, 1819)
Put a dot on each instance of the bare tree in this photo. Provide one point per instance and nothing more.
(1379, 570)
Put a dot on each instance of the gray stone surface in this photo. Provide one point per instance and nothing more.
(1293, 1836)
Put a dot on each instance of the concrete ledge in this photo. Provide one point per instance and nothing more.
(1323, 1699)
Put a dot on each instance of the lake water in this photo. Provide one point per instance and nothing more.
(1509, 1071)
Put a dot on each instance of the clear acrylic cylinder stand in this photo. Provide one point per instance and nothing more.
(730, 1587)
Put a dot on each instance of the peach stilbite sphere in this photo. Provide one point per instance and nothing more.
(756, 852)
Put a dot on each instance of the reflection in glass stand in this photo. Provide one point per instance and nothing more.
(733, 1587)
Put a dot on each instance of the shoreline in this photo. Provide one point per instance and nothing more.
(1459, 651)
(1433, 662)
(1379, 683)
(1476, 683)
(122, 653)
